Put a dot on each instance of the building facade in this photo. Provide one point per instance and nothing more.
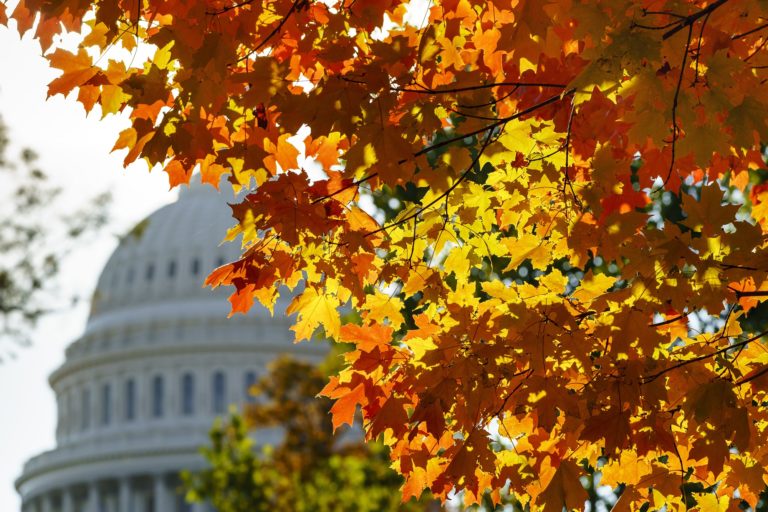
(157, 362)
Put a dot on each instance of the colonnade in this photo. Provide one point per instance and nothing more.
(143, 493)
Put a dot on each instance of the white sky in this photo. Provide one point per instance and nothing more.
(74, 150)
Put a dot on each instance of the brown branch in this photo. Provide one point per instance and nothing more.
(646, 12)
(229, 8)
(762, 45)
(751, 293)
(501, 121)
(749, 32)
(675, 130)
(567, 179)
(342, 189)
(438, 198)
(698, 47)
(489, 127)
(451, 90)
(650, 378)
(752, 377)
(729, 266)
(294, 6)
(688, 21)
(428, 91)
(668, 321)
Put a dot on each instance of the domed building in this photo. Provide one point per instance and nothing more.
(158, 361)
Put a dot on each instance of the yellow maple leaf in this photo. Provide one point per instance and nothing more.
(315, 309)
(381, 307)
(708, 502)
(593, 287)
(527, 246)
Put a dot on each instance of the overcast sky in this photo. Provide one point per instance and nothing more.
(74, 149)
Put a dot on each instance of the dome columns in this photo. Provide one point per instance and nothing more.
(126, 494)
(92, 498)
(153, 492)
(162, 497)
(67, 503)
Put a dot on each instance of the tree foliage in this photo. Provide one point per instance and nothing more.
(34, 241)
(310, 470)
(577, 260)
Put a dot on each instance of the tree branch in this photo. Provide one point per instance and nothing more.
(501, 121)
(276, 30)
(688, 21)
(228, 8)
(750, 32)
(675, 130)
(347, 187)
(650, 378)
(438, 198)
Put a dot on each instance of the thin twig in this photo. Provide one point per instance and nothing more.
(228, 8)
(752, 377)
(749, 293)
(698, 47)
(675, 130)
(276, 30)
(501, 121)
(441, 196)
(651, 378)
(567, 178)
(668, 321)
(347, 187)
(750, 32)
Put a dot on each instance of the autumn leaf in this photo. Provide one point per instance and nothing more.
(564, 490)
(343, 410)
(78, 69)
(315, 309)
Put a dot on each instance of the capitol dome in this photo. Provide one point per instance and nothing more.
(157, 362)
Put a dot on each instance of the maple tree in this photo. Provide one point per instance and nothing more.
(576, 258)
(311, 469)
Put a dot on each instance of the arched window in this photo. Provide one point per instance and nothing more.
(85, 411)
(172, 268)
(150, 272)
(106, 404)
(157, 396)
(248, 382)
(188, 394)
(219, 392)
(130, 400)
(195, 267)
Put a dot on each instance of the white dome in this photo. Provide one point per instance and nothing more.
(158, 361)
(166, 257)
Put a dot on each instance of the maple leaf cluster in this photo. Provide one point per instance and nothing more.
(575, 254)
